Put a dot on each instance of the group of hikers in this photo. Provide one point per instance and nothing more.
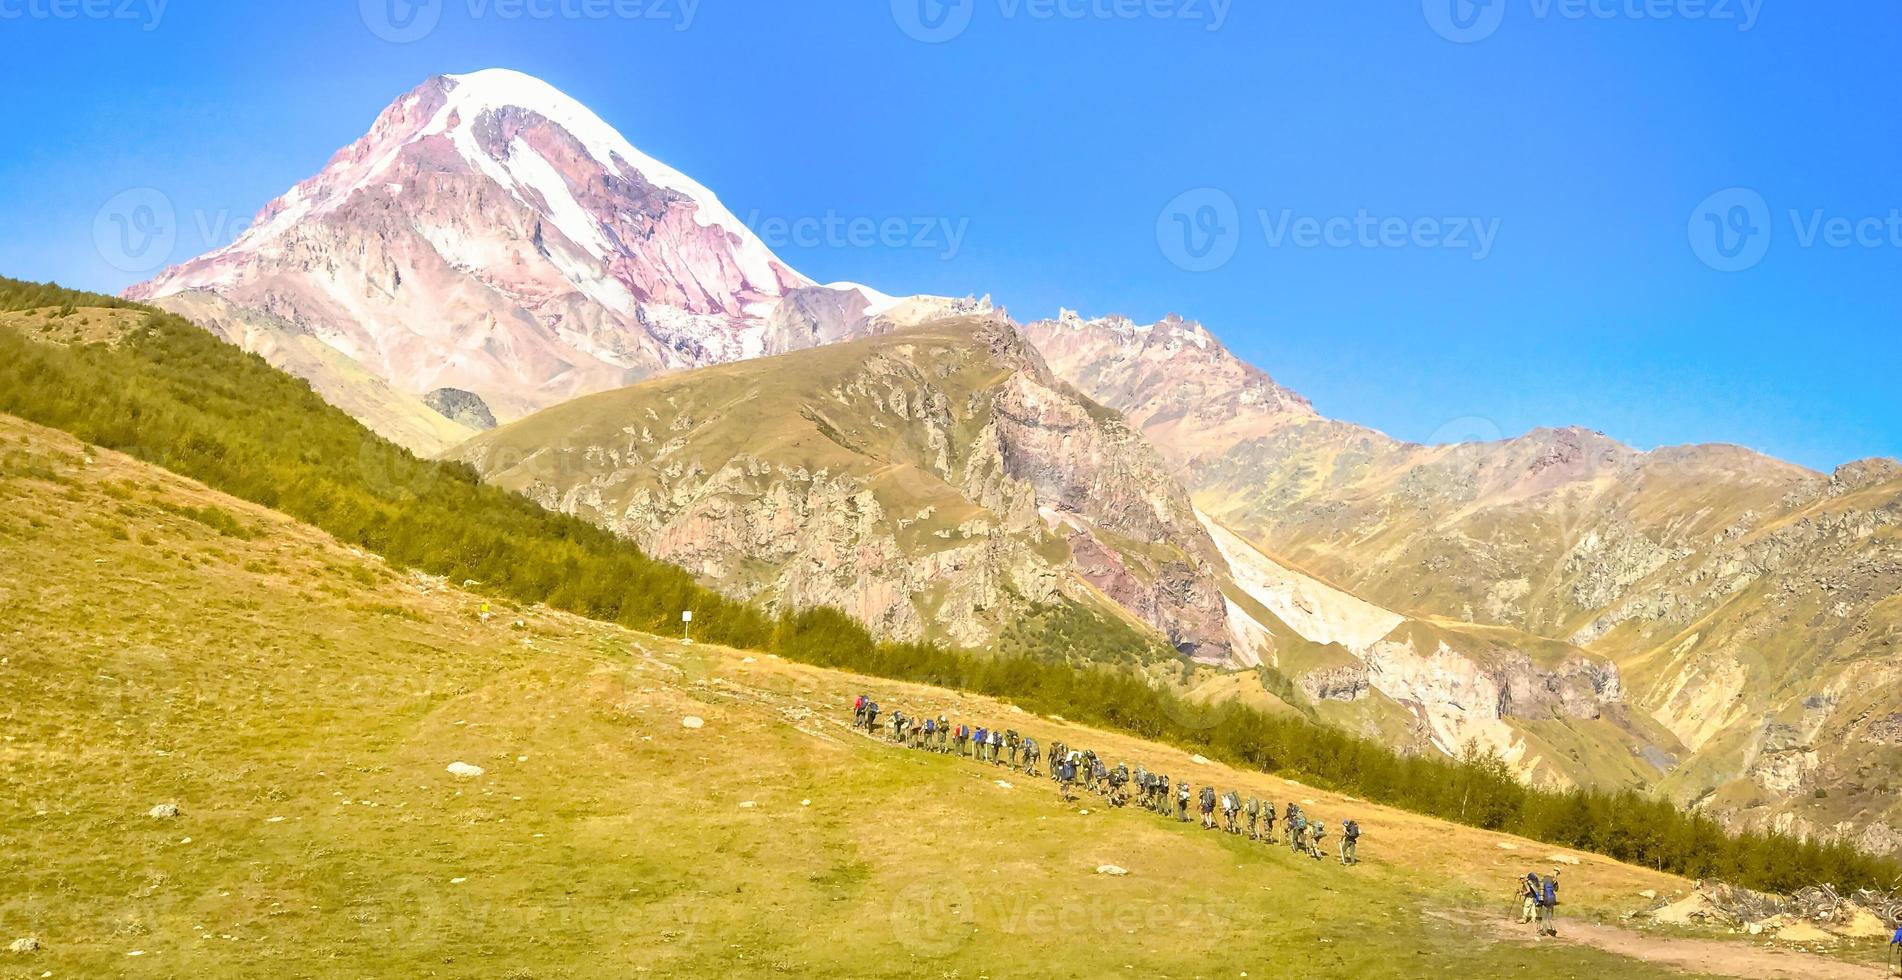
(1117, 784)
(1539, 901)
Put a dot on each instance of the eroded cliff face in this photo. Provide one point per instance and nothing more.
(1751, 604)
(933, 482)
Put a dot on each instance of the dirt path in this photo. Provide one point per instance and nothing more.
(1699, 956)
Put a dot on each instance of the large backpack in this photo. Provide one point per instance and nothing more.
(1351, 830)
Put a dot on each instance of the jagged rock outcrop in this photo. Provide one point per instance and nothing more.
(934, 482)
(462, 407)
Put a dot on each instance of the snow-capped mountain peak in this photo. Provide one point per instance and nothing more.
(491, 234)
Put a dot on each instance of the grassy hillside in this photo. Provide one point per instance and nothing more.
(171, 394)
(168, 392)
(299, 701)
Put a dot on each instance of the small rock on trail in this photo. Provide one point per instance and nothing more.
(464, 769)
(1110, 869)
(692, 721)
(164, 811)
(24, 945)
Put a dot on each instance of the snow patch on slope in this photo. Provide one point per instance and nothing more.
(496, 89)
(877, 302)
(535, 173)
(1319, 612)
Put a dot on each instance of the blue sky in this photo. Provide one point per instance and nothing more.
(1437, 219)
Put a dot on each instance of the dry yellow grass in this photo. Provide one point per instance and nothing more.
(300, 703)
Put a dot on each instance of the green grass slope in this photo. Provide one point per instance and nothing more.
(168, 393)
(299, 700)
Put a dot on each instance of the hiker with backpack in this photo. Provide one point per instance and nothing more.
(1549, 904)
(1251, 810)
(1268, 821)
(1208, 808)
(1182, 800)
(944, 735)
(1066, 778)
(1529, 898)
(858, 711)
(1297, 829)
(931, 732)
(1350, 843)
(1316, 831)
(1031, 752)
(997, 746)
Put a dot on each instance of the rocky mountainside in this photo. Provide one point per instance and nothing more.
(491, 234)
(934, 482)
(939, 482)
(1752, 605)
(1703, 618)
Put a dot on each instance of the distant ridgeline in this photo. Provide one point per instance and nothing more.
(174, 395)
